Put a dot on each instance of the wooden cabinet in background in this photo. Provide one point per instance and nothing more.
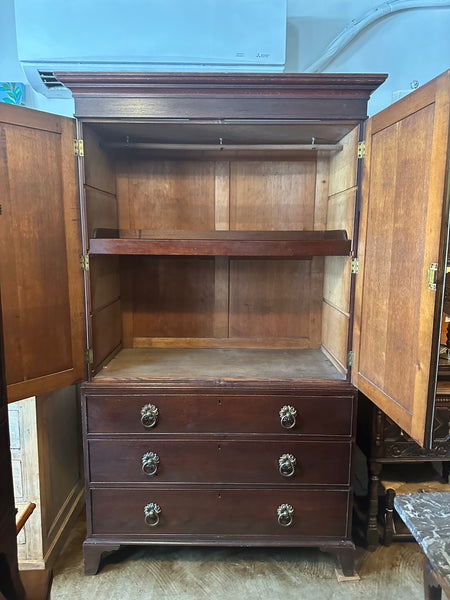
(242, 282)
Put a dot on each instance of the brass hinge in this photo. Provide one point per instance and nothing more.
(84, 262)
(361, 149)
(431, 276)
(355, 265)
(78, 147)
(89, 356)
(350, 357)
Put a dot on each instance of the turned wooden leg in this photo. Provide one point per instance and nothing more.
(372, 525)
(432, 589)
(389, 517)
(92, 553)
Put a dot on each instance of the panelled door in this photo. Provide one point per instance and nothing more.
(40, 245)
(403, 236)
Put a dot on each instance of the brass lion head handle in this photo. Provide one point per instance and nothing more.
(152, 512)
(149, 415)
(287, 464)
(288, 416)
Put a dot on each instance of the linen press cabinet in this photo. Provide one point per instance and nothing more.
(212, 264)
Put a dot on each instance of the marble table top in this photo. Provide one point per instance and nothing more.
(427, 516)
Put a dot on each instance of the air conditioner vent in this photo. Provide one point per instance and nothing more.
(50, 80)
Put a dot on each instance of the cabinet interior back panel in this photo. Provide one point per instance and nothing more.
(201, 301)
(272, 195)
(170, 195)
(258, 309)
(172, 297)
(36, 193)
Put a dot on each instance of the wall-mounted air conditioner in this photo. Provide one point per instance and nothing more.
(147, 35)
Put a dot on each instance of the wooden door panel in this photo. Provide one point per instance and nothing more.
(403, 231)
(40, 244)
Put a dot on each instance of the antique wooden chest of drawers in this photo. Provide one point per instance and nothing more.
(240, 465)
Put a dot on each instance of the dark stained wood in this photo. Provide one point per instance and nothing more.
(118, 410)
(42, 285)
(222, 243)
(200, 95)
(246, 513)
(223, 460)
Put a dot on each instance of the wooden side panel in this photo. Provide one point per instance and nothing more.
(106, 331)
(171, 195)
(337, 272)
(60, 467)
(40, 243)
(403, 195)
(99, 168)
(343, 165)
(105, 281)
(335, 328)
(101, 209)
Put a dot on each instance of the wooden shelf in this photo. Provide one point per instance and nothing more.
(293, 244)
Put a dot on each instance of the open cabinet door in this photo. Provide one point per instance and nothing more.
(40, 243)
(404, 230)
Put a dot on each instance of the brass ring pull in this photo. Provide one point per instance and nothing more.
(150, 462)
(149, 415)
(285, 512)
(152, 512)
(287, 464)
(287, 416)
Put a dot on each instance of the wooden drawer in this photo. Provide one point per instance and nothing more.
(196, 413)
(221, 461)
(242, 513)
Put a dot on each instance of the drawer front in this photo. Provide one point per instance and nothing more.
(191, 413)
(244, 512)
(219, 461)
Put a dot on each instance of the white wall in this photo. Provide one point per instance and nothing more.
(10, 69)
(411, 46)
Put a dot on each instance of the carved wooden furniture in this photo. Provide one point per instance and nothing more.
(239, 281)
(384, 444)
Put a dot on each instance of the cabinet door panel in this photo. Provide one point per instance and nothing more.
(40, 244)
(403, 230)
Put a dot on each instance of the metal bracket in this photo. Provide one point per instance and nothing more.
(431, 276)
(355, 265)
(78, 147)
(89, 356)
(361, 149)
(84, 262)
(350, 357)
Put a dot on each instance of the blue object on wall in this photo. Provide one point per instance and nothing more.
(12, 92)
